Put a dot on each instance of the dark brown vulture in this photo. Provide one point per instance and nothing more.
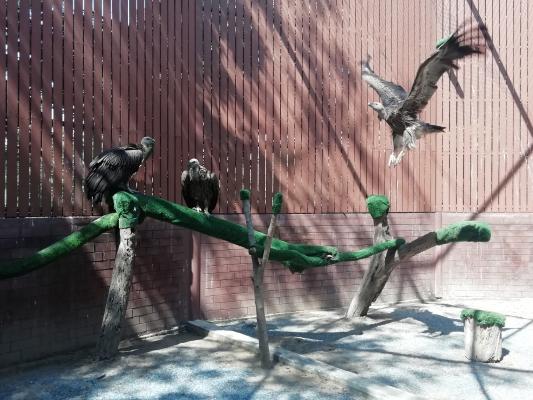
(199, 187)
(110, 171)
(400, 109)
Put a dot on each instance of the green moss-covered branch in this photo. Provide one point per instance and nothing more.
(466, 231)
(132, 208)
(297, 257)
(484, 318)
(58, 249)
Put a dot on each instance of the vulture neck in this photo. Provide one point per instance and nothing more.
(146, 151)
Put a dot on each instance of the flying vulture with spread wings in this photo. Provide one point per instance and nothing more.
(110, 171)
(199, 187)
(400, 109)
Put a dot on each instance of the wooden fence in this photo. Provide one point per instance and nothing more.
(268, 94)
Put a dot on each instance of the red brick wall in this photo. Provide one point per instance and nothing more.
(60, 306)
(502, 268)
(227, 291)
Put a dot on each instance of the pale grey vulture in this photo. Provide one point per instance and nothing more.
(400, 109)
(199, 187)
(110, 171)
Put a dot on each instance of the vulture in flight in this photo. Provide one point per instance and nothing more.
(110, 171)
(199, 187)
(400, 109)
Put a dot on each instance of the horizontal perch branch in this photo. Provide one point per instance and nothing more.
(132, 207)
(59, 248)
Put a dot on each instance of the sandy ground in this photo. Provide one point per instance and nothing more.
(414, 346)
(172, 367)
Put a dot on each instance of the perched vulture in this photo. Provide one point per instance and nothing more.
(400, 109)
(110, 171)
(199, 187)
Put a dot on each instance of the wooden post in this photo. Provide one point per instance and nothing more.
(258, 269)
(119, 289)
(381, 264)
(117, 298)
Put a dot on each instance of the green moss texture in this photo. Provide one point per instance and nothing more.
(277, 202)
(466, 231)
(58, 249)
(484, 318)
(377, 205)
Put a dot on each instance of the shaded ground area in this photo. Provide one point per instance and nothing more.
(413, 346)
(171, 367)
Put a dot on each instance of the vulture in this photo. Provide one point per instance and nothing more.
(199, 187)
(110, 171)
(400, 109)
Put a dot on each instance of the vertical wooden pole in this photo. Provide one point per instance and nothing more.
(258, 269)
(117, 298)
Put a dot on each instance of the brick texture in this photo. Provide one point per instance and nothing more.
(502, 268)
(59, 307)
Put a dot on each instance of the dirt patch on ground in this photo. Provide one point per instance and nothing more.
(181, 366)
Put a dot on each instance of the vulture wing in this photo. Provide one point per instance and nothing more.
(186, 189)
(454, 48)
(389, 93)
(111, 169)
(213, 189)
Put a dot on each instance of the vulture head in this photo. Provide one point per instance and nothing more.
(378, 107)
(147, 144)
(193, 166)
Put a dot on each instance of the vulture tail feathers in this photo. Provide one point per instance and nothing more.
(430, 128)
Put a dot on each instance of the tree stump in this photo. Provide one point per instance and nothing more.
(483, 335)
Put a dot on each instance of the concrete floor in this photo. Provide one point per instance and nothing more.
(417, 347)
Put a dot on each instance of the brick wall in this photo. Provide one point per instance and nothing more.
(60, 306)
(227, 290)
(502, 268)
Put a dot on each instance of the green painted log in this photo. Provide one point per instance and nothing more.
(465, 231)
(59, 248)
(297, 257)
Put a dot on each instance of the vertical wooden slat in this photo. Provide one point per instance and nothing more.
(276, 116)
(57, 41)
(149, 94)
(224, 100)
(78, 89)
(142, 48)
(45, 79)
(172, 106)
(164, 100)
(214, 136)
(68, 106)
(12, 108)
(88, 102)
(245, 102)
(35, 108)
(314, 119)
(107, 62)
(3, 103)
(24, 109)
(524, 133)
(197, 61)
(98, 77)
(231, 70)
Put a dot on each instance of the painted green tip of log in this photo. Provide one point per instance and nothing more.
(484, 318)
(127, 207)
(58, 249)
(442, 41)
(377, 205)
(466, 231)
(277, 201)
(245, 194)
